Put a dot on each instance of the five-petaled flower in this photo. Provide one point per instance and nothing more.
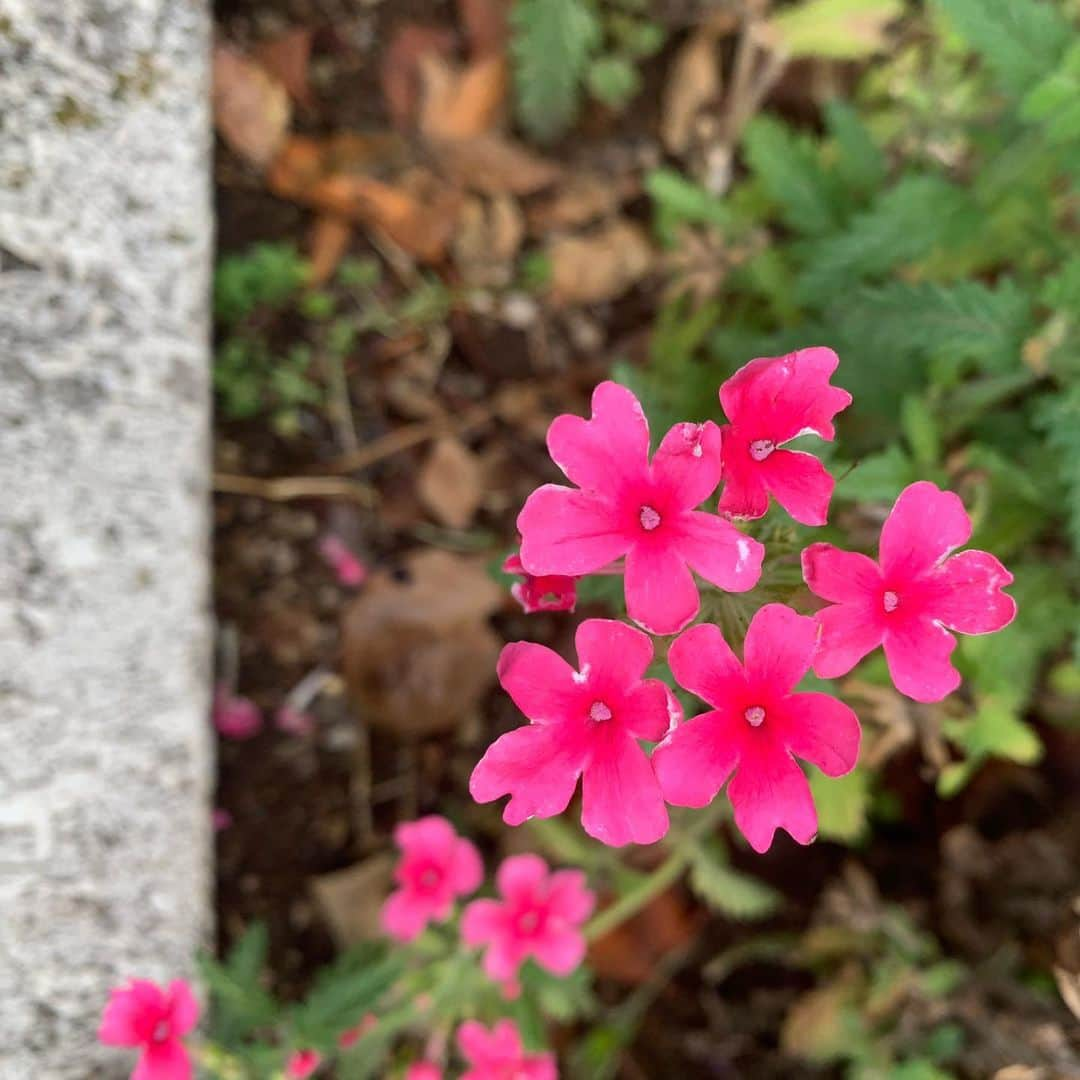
(499, 1054)
(757, 726)
(768, 402)
(540, 915)
(302, 1064)
(623, 505)
(436, 867)
(141, 1014)
(424, 1070)
(547, 592)
(582, 723)
(911, 598)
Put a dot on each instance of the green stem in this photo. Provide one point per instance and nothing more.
(665, 875)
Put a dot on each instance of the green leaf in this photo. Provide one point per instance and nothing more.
(551, 45)
(678, 201)
(728, 891)
(1059, 417)
(1019, 40)
(613, 80)
(860, 164)
(836, 29)
(842, 804)
(876, 477)
(921, 431)
(239, 1004)
(264, 275)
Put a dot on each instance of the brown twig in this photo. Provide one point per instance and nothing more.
(285, 488)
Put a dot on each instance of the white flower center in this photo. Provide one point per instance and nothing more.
(162, 1031)
(649, 518)
(760, 449)
(755, 716)
(599, 712)
(890, 601)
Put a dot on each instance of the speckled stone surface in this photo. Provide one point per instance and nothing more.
(105, 247)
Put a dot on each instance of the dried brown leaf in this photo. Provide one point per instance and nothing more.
(330, 236)
(487, 240)
(582, 199)
(461, 102)
(251, 107)
(1068, 983)
(600, 266)
(399, 73)
(486, 26)
(451, 483)
(694, 82)
(351, 899)
(287, 57)
(493, 165)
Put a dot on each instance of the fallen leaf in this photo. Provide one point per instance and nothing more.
(286, 57)
(418, 653)
(351, 899)
(460, 102)
(832, 29)
(815, 1027)
(486, 25)
(251, 107)
(493, 165)
(630, 952)
(399, 73)
(487, 240)
(330, 236)
(600, 266)
(582, 199)
(451, 484)
(694, 81)
(1068, 983)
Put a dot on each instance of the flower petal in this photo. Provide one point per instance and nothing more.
(537, 765)
(520, 877)
(607, 451)
(687, 463)
(703, 663)
(918, 651)
(645, 711)
(839, 575)
(568, 897)
(466, 868)
(481, 922)
(799, 483)
(183, 1005)
(744, 494)
(695, 760)
(661, 594)
(972, 602)
(621, 800)
(719, 552)
(821, 729)
(430, 835)
(403, 916)
(474, 1042)
(783, 396)
(560, 951)
(168, 1060)
(132, 1012)
(770, 792)
(925, 524)
(611, 649)
(568, 532)
(779, 646)
(847, 632)
(539, 680)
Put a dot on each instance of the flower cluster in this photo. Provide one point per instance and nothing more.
(644, 518)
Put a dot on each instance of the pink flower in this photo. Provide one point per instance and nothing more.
(624, 505)
(587, 723)
(770, 401)
(349, 570)
(141, 1014)
(234, 716)
(302, 1064)
(551, 592)
(499, 1054)
(423, 1070)
(351, 1036)
(911, 598)
(756, 728)
(294, 721)
(436, 866)
(221, 819)
(540, 915)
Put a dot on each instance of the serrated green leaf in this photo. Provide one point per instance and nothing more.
(876, 477)
(860, 164)
(921, 431)
(1058, 416)
(613, 80)
(728, 891)
(842, 804)
(836, 29)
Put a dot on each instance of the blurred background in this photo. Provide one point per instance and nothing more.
(439, 225)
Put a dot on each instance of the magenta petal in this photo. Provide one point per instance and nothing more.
(403, 916)
(427, 835)
(800, 484)
(167, 1060)
(645, 711)
(621, 800)
(481, 922)
(466, 868)
(918, 651)
(695, 760)
(568, 532)
(925, 524)
(561, 951)
(472, 1040)
(687, 463)
(620, 652)
(779, 646)
(821, 729)
(610, 449)
(538, 765)
(539, 680)
(520, 877)
(744, 494)
(770, 792)
(839, 575)
(703, 663)
(184, 1008)
(661, 594)
(847, 633)
(719, 552)
(569, 898)
(125, 1018)
(972, 601)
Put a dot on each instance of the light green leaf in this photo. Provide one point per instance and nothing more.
(728, 891)
(842, 804)
(836, 29)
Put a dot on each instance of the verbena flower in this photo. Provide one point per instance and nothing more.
(625, 506)
(425, 1070)
(539, 915)
(548, 592)
(435, 868)
(757, 726)
(499, 1054)
(583, 724)
(768, 402)
(235, 717)
(911, 598)
(302, 1064)
(141, 1014)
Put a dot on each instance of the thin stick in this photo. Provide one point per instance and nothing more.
(286, 488)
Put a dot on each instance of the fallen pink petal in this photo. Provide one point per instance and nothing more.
(347, 566)
(235, 717)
